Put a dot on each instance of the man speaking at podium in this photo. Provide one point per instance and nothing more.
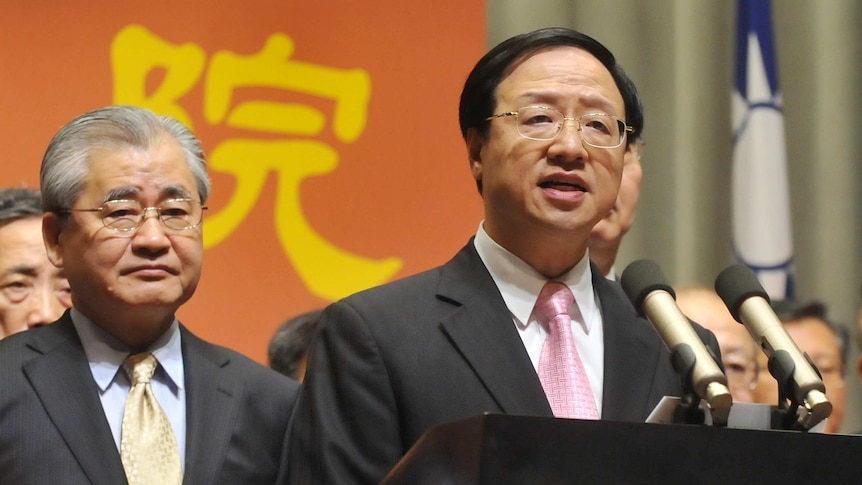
(519, 321)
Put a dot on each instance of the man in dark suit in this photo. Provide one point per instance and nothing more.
(543, 117)
(123, 191)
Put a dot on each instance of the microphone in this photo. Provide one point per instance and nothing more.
(652, 296)
(748, 302)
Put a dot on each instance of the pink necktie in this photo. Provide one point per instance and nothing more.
(561, 371)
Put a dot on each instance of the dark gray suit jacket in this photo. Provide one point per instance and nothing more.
(390, 362)
(53, 429)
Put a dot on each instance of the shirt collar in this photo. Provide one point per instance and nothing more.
(106, 353)
(520, 284)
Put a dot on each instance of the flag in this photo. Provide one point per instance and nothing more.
(762, 236)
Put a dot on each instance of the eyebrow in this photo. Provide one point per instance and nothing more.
(169, 191)
(591, 102)
(21, 269)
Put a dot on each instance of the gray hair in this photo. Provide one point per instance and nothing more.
(19, 203)
(65, 166)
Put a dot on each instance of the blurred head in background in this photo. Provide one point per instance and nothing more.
(33, 291)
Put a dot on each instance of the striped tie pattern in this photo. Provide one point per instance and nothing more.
(561, 371)
(147, 446)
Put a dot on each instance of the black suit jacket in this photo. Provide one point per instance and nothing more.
(53, 429)
(390, 362)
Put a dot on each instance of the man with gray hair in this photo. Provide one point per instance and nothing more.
(117, 389)
(33, 291)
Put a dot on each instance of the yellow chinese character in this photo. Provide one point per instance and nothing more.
(327, 270)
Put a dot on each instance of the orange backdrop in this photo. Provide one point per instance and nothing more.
(331, 131)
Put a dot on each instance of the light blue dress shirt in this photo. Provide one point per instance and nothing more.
(106, 355)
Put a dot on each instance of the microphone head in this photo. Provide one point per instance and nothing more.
(736, 284)
(641, 278)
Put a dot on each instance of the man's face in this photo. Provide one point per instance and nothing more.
(32, 291)
(551, 191)
(151, 268)
(738, 350)
(611, 229)
(815, 338)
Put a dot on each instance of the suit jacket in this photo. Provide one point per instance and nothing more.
(53, 429)
(390, 362)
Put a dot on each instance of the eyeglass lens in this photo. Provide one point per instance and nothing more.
(125, 215)
(542, 123)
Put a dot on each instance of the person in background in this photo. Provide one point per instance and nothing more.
(859, 346)
(738, 350)
(288, 348)
(544, 116)
(607, 235)
(808, 324)
(33, 291)
(117, 390)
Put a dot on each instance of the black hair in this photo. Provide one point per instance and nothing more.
(290, 343)
(19, 203)
(479, 93)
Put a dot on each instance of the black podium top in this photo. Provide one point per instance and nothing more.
(503, 449)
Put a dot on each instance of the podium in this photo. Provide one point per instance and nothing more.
(496, 448)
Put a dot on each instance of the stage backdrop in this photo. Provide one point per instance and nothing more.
(330, 127)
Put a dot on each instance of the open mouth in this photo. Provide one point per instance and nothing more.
(562, 186)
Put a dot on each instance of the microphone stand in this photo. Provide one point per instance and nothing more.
(786, 416)
(689, 411)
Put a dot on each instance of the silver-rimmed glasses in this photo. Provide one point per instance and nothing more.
(543, 123)
(128, 215)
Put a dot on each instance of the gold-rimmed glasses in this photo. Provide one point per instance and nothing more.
(543, 123)
(128, 215)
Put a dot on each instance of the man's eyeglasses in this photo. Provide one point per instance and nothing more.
(741, 374)
(128, 215)
(543, 123)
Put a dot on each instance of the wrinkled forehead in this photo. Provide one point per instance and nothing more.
(557, 75)
(158, 171)
(131, 192)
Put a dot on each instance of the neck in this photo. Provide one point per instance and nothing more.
(550, 252)
(550, 260)
(137, 328)
(604, 257)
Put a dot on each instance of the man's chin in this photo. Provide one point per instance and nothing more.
(153, 297)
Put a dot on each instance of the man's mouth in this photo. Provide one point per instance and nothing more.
(562, 186)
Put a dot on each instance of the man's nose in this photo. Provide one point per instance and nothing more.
(45, 308)
(568, 143)
(152, 233)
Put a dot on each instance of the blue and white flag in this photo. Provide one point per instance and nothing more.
(761, 205)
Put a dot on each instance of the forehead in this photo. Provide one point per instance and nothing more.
(131, 171)
(564, 77)
(812, 333)
(20, 240)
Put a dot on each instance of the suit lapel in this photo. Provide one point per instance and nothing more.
(631, 354)
(62, 379)
(483, 331)
(212, 397)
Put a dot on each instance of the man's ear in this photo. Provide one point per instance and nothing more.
(52, 227)
(475, 143)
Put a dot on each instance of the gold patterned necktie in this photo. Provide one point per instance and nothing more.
(148, 447)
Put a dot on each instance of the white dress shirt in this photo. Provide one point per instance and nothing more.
(106, 355)
(520, 284)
